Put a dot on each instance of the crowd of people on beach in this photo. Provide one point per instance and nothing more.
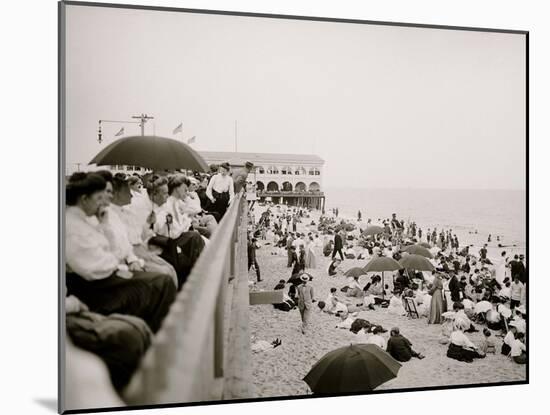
(131, 242)
(466, 292)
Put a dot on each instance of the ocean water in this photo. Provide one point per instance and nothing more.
(495, 212)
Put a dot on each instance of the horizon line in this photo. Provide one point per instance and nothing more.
(426, 188)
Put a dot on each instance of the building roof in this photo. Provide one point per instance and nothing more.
(260, 158)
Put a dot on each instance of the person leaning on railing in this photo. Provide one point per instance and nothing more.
(192, 207)
(93, 273)
(168, 229)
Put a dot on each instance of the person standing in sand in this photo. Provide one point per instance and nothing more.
(436, 305)
(305, 301)
(311, 260)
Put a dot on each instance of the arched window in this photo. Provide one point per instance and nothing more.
(314, 187)
(300, 171)
(260, 186)
(287, 187)
(300, 187)
(272, 187)
(260, 170)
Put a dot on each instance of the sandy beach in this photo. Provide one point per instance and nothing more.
(279, 371)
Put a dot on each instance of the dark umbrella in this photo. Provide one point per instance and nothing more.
(416, 262)
(349, 227)
(373, 230)
(381, 264)
(151, 152)
(418, 250)
(354, 368)
(355, 272)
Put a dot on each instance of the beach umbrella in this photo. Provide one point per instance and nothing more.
(416, 262)
(373, 230)
(425, 245)
(349, 227)
(382, 264)
(354, 368)
(355, 272)
(483, 307)
(418, 250)
(151, 152)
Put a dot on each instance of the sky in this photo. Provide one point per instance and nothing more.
(384, 106)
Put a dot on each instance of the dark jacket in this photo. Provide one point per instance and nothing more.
(399, 348)
(338, 244)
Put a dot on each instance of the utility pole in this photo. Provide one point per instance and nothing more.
(143, 118)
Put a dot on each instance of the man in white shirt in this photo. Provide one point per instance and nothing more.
(95, 275)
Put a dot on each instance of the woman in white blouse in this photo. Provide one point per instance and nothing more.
(461, 348)
(220, 190)
(95, 275)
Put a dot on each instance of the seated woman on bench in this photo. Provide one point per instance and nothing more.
(94, 274)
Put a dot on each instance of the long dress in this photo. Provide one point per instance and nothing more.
(436, 305)
(311, 260)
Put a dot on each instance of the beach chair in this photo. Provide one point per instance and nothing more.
(410, 307)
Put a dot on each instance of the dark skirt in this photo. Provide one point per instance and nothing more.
(461, 354)
(221, 203)
(190, 246)
(505, 349)
(146, 295)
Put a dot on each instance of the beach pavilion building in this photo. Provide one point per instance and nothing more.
(295, 179)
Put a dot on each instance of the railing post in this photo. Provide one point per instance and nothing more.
(219, 332)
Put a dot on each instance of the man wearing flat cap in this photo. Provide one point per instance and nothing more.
(240, 175)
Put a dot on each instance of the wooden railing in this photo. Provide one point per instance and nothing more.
(202, 351)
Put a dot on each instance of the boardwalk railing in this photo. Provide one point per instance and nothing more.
(202, 351)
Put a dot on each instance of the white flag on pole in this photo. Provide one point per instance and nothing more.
(178, 129)
(191, 140)
(120, 132)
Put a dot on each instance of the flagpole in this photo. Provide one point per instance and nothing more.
(235, 136)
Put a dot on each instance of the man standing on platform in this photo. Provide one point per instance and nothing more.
(240, 175)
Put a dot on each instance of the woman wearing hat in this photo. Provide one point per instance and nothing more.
(305, 301)
(220, 190)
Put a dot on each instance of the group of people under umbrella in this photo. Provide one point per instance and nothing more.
(131, 242)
